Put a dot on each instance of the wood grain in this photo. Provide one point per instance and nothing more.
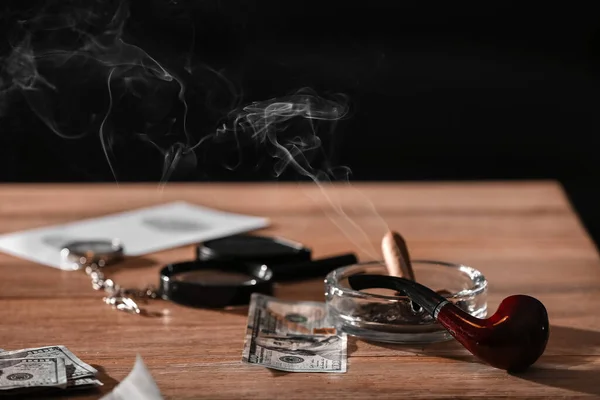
(524, 237)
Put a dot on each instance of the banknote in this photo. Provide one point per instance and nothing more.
(292, 336)
(32, 372)
(84, 383)
(76, 368)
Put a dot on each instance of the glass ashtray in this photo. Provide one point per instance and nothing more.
(385, 316)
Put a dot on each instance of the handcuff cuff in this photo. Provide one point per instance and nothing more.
(92, 256)
(254, 262)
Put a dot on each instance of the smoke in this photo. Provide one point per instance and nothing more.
(288, 128)
(83, 77)
(72, 64)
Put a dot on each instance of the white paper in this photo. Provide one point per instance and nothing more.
(138, 385)
(140, 231)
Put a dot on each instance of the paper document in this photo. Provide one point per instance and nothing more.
(138, 385)
(141, 231)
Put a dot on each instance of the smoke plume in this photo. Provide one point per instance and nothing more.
(84, 76)
(72, 63)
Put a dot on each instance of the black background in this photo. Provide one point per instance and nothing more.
(489, 90)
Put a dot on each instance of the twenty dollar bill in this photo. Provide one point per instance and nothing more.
(292, 336)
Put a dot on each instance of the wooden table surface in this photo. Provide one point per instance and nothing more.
(524, 237)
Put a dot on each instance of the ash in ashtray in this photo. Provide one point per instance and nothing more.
(399, 313)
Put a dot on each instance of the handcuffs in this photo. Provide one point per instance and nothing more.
(226, 272)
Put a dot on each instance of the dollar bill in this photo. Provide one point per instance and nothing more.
(84, 383)
(76, 368)
(292, 336)
(32, 372)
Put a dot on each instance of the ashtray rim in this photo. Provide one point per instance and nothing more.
(480, 283)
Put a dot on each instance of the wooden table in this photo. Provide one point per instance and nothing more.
(524, 237)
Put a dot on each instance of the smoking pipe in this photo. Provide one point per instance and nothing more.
(512, 339)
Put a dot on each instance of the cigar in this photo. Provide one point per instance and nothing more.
(396, 257)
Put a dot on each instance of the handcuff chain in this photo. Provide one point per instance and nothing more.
(117, 297)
